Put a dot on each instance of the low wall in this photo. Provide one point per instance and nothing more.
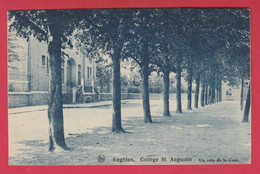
(20, 99)
(154, 96)
(40, 98)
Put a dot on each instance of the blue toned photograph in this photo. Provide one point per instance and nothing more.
(156, 86)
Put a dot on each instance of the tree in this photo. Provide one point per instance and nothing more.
(234, 54)
(220, 31)
(134, 77)
(139, 48)
(12, 46)
(199, 57)
(104, 75)
(171, 47)
(51, 26)
(156, 83)
(247, 107)
(108, 29)
(164, 57)
(239, 68)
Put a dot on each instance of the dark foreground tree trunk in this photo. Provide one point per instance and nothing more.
(247, 106)
(116, 121)
(145, 94)
(178, 88)
(242, 95)
(55, 112)
(196, 104)
(189, 96)
(166, 80)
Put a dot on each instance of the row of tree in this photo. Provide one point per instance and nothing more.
(208, 45)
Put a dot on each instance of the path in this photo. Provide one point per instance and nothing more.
(211, 133)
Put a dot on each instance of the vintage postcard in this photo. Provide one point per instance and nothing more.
(129, 86)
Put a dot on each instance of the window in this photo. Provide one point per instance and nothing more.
(79, 74)
(43, 61)
(62, 72)
(47, 64)
(88, 73)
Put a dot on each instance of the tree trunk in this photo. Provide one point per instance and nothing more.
(202, 96)
(242, 95)
(178, 88)
(213, 93)
(145, 94)
(55, 112)
(247, 106)
(166, 81)
(196, 104)
(210, 95)
(189, 96)
(217, 96)
(206, 94)
(116, 122)
(220, 91)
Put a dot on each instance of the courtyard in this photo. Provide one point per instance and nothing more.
(213, 134)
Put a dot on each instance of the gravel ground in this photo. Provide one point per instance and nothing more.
(210, 135)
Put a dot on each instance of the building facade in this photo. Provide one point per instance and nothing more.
(28, 78)
(234, 93)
